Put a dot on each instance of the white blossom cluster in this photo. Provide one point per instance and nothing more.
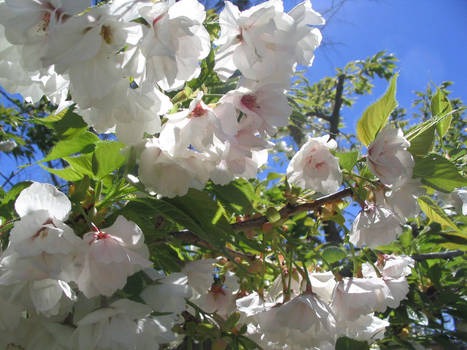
(54, 285)
(381, 219)
(61, 291)
(118, 62)
(118, 72)
(314, 314)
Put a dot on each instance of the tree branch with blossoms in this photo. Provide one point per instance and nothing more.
(164, 115)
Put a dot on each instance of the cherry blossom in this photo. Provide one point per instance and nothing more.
(173, 45)
(375, 225)
(168, 294)
(388, 157)
(172, 176)
(314, 167)
(192, 127)
(110, 256)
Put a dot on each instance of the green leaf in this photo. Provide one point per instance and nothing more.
(79, 166)
(80, 143)
(66, 123)
(82, 164)
(376, 116)
(421, 128)
(347, 160)
(438, 172)
(273, 215)
(238, 196)
(107, 158)
(68, 173)
(333, 254)
(423, 143)
(440, 105)
(216, 227)
(15, 191)
(345, 343)
(434, 212)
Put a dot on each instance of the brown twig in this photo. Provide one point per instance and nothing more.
(188, 237)
(290, 210)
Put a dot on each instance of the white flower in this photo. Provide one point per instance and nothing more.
(365, 328)
(238, 156)
(193, 127)
(15, 268)
(264, 108)
(40, 333)
(113, 327)
(11, 313)
(7, 146)
(218, 299)
(322, 284)
(19, 76)
(303, 322)
(308, 38)
(200, 274)
(45, 197)
(252, 42)
(153, 330)
(172, 176)
(169, 294)
(128, 112)
(263, 41)
(388, 157)
(375, 226)
(396, 266)
(393, 270)
(174, 44)
(221, 296)
(88, 48)
(403, 199)
(354, 297)
(458, 199)
(253, 304)
(296, 287)
(42, 209)
(27, 22)
(111, 255)
(314, 167)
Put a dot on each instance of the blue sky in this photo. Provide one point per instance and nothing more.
(427, 36)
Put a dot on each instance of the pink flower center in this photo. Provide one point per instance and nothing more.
(98, 234)
(157, 19)
(50, 9)
(42, 232)
(319, 165)
(198, 111)
(217, 289)
(249, 101)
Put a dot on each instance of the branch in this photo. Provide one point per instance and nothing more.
(319, 114)
(335, 117)
(188, 237)
(441, 255)
(290, 210)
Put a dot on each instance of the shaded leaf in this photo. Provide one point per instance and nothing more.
(333, 254)
(107, 158)
(438, 172)
(434, 212)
